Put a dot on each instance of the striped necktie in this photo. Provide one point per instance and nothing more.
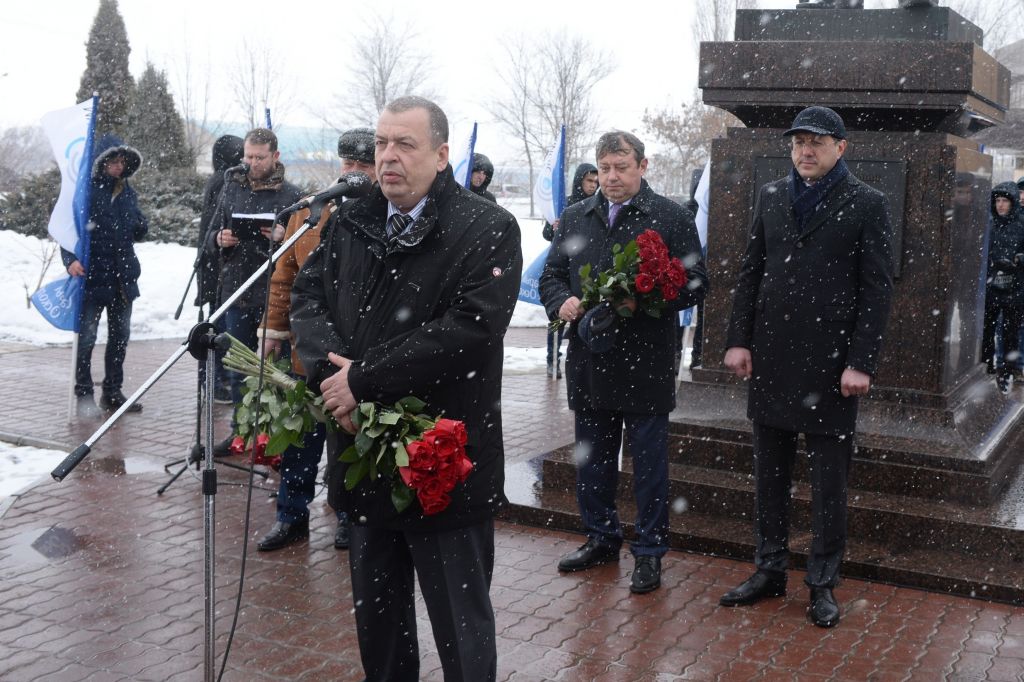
(397, 224)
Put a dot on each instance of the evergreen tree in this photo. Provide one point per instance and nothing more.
(154, 126)
(27, 208)
(106, 69)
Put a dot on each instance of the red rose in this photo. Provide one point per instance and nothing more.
(421, 456)
(412, 477)
(676, 273)
(237, 445)
(644, 283)
(432, 496)
(669, 292)
(454, 428)
(464, 466)
(443, 444)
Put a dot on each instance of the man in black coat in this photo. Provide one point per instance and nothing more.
(809, 310)
(111, 281)
(633, 383)
(483, 173)
(260, 191)
(1004, 285)
(410, 293)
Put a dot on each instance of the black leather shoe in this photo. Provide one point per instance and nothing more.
(590, 554)
(283, 534)
(755, 588)
(824, 611)
(115, 399)
(341, 536)
(646, 575)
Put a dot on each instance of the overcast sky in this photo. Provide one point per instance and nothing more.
(43, 52)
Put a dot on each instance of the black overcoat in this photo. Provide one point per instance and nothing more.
(810, 303)
(424, 315)
(638, 374)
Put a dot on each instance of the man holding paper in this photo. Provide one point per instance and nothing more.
(240, 236)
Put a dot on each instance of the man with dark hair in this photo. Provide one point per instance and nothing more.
(299, 465)
(111, 282)
(410, 293)
(483, 173)
(248, 201)
(809, 311)
(632, 383)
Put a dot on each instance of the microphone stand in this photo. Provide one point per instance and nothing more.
(200, 342)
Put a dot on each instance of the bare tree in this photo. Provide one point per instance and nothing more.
(23, 150)
(386, 62)
(1000, 21)
(258, 82)
(569, 68)
(546, 82)
(192, 90)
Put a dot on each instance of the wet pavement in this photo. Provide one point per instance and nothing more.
(102, 579)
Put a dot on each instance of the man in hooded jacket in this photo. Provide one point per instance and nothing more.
(409, 294)
(483, 173)
(111, 281)
(1004, 286)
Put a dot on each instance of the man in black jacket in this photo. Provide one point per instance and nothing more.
(1004, 285)
(483, 173)
(111, 281)
(633, 383)
(262, 191)
(410, 293)
(809, 310)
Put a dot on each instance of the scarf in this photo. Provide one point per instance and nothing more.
(805, 199)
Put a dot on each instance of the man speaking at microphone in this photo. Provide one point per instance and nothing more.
(410, 293)
(239, 235)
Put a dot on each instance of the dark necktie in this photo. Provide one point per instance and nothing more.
(397, 224)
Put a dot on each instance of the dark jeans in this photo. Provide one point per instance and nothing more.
(241, 323)
(454, 568)
(119, 323)
(774, 452)
(1004, 320)
(299, 467)
(598, 439)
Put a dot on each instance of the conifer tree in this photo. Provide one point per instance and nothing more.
(154, 126)
(106, 69)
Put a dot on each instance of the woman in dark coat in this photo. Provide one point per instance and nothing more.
(1004, 288)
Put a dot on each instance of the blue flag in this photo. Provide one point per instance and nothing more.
(549, 195)
(462, 159)
(266, 114)
(70, 132)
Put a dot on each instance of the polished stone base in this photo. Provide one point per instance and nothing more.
(923, 513)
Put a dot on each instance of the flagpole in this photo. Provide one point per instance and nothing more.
(72, 407)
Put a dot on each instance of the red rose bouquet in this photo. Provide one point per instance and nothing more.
(423, 457)
(641, 270)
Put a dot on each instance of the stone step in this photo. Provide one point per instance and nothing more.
(949, 569)
(899, 522)
(877, 465)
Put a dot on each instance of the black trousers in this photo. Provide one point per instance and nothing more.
(454, 569)
(1008, 326)
(829, 455)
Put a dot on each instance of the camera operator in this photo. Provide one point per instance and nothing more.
(262, 190)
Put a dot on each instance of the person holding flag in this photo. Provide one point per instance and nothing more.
(111, 273)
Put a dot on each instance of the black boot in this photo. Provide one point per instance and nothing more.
(85, 407)
(113, 400)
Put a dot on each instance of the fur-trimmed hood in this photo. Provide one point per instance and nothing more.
(111, 145)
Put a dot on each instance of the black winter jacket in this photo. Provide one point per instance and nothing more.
(811, 302)
(237, 263)
(117, 223)
(424, 315)
(575, 196)
(1005, 282)
(638, 374)
(227, 153)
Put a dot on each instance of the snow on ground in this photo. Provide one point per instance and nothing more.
(165, 271)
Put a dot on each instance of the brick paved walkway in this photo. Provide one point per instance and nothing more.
(101, 579)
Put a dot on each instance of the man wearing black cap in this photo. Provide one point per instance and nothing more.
(299, 466)
(809, 311)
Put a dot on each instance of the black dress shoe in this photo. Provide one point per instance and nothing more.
(646, 575)
(115, 399)
(592, 553)
(755, 588)
(283, 534)
(341, 535)
(824, 611)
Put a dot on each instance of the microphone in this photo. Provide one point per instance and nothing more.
(354, 184)
(244, 167)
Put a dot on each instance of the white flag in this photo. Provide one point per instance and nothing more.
(67, 131)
